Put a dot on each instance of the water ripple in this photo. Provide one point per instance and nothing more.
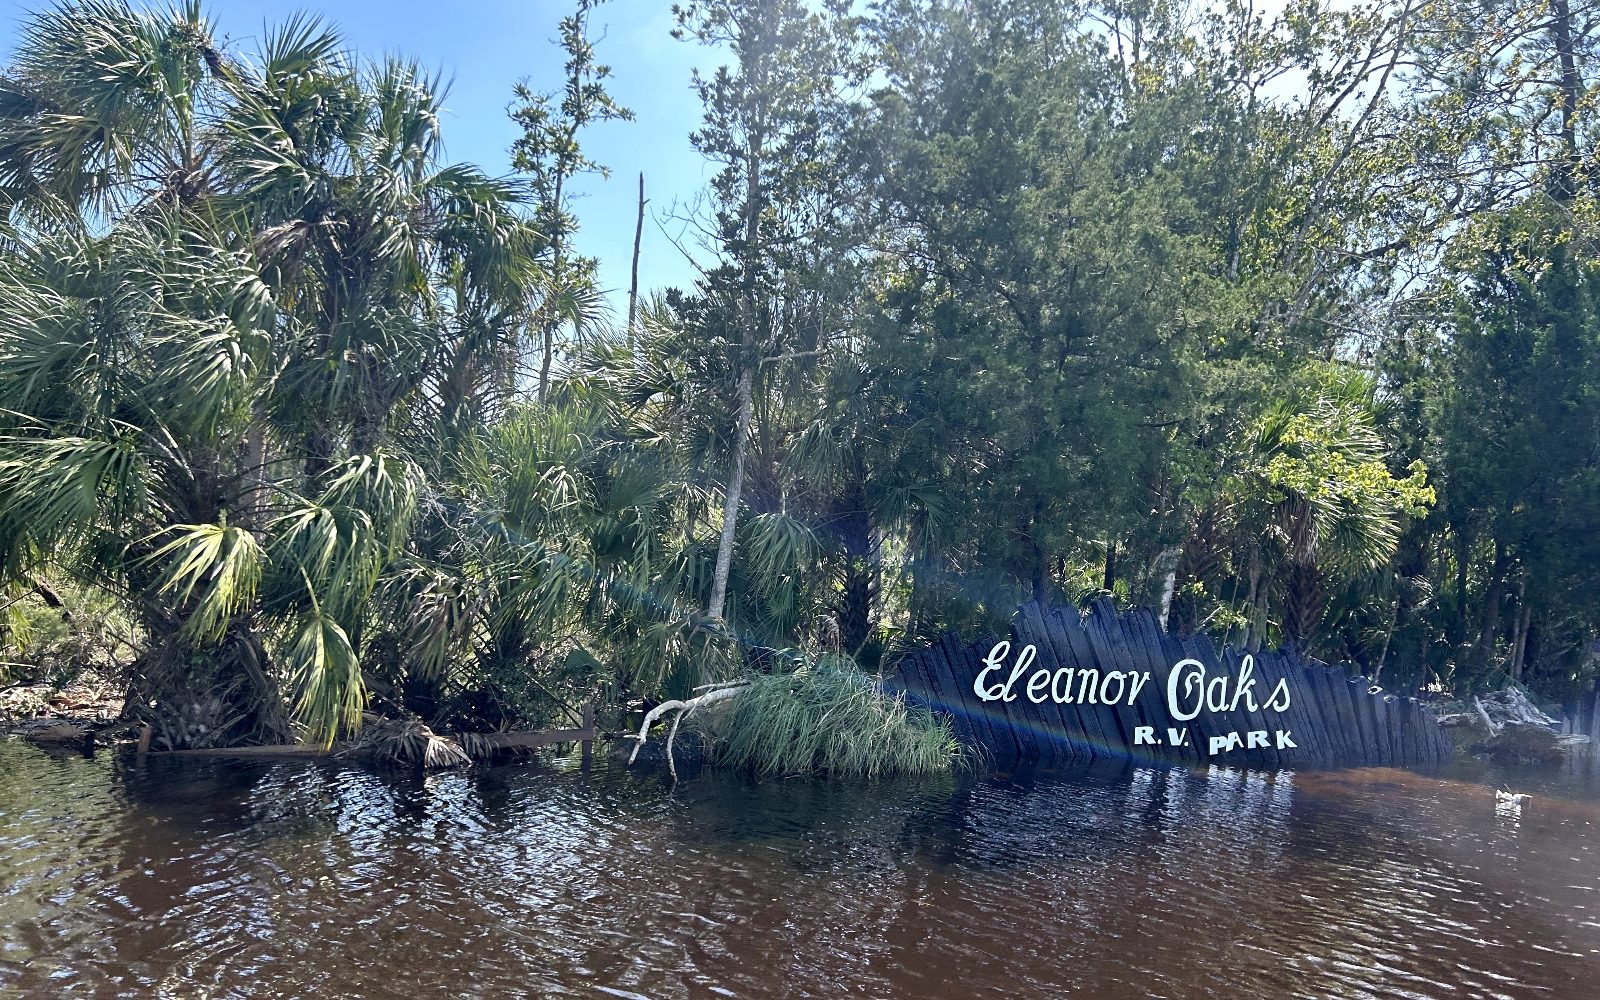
(191, 879)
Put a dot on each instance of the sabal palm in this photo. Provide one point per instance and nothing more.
(208, 401)
(1308, 504)
(129, 363)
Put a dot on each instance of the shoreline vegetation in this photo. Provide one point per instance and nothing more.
(1286, 326)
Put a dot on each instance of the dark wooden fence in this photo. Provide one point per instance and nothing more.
(1332, 718)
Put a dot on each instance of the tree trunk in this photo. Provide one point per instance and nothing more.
(859, 585)
(748, 360)
(549, 351)
(1519, 644)
(633, 282)
(319, 453)
(1490, 628)
(1564, 179)
(730, 508)
(254, 497)
(1463, 556)
(1388, 637)
(1041, 559)
(1303, 608)
(550, 319)
(1170, 557)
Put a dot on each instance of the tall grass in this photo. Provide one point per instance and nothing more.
(828, 717)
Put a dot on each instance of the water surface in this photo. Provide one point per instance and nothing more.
(188, 879)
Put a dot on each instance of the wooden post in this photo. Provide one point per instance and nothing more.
(588, 728)
(144, 741)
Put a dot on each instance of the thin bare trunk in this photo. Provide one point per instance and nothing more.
(730, 509)
(551, 317)
(1388, 637)
(748, 360)
(1169, 582)
(633, 283)
(1519, 645)
(544, 363)
(1490, 628)
(1250, 602)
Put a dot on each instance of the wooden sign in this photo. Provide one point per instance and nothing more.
(1067, 686)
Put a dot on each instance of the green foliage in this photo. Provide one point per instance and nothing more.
(215, 569)
(1306, 503)
(1284, 323)
(208, 388)
(830, 718)
(52, 637)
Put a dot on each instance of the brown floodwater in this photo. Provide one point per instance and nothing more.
(187, 879)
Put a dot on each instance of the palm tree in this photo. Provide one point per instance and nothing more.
(129, 364)
(1307, 504)
(250, 295)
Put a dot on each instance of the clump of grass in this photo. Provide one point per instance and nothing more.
(831, 718)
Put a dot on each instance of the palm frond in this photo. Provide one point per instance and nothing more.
(214, 570)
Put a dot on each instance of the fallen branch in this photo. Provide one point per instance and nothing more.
(721, 691)
(1483, 714)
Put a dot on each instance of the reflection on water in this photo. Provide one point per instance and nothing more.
(184, 879)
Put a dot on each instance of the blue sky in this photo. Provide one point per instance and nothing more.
(484, 47)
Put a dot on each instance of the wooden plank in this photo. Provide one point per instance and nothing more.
(1385, 749)
(1328, 721)
(1438, 741)
(1116, 723)
(1097, 726)
(1116, 655)
(1254, 719)
(943, 692)
(1344, 704)
(1142, 647)
(1373, 728)
(1386, 711)
(1336, 705)
(1399, 728)
(1441, 738)
(1079, 728)
(1271, 671)
(1009, 718)
(1304, 725)
(916, 674)
(1390, 707)
(1405, 713)
(1031, 629)
(1260, 719)
(1173, 651)
(1383, 723)
(944, 697)
(1268, 673)
(1018, 713)
(1229, 720)
(1426, 730)
(1152, 657)
(949, 657)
